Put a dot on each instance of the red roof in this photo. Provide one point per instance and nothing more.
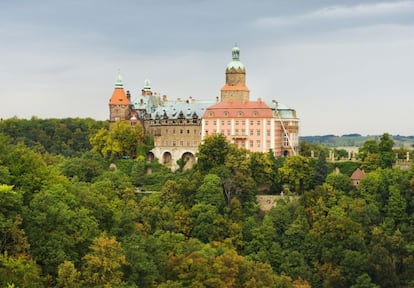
(119, 97)
(251, 109)
(358, 174)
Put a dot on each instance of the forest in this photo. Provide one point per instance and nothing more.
(80, 206)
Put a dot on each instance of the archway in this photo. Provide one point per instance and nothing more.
(166, 159)
(150, 157)
(188, 159)
(285, 153)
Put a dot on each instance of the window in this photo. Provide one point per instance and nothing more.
(236, 131)
(173, 131)
(237, 123)
(268, 144)
(243, 144)
(258, 122)
(206, 122)
(211, 114)
(285, 139)
(251, 143)
(251, 122)
(181, 131)
(174, 143)
(228, 132)
(268, 132)
(229, 122)
(243, 123)
(240, 113)
(255, 113)
(268, 122)
(226, 113)
(222, 123)
(258, 132)
(258, 143)
(181, 143)
(215, 123)
(188, 131)
(251, 132)
(206, 132)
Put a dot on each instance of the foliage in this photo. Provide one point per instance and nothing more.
(73, 222)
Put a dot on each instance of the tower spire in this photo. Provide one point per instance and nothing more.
(118, 82)
(235, 52)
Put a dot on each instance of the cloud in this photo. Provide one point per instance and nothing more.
(365, 13)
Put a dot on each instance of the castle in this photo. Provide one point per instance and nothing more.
(179, 126)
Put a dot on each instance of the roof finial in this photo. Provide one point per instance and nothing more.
(118, 82)
(235, 52)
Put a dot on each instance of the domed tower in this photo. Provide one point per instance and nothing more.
(146, 91)
(119, 104)
(235, 89)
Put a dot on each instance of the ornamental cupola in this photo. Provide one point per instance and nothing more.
(235, 89)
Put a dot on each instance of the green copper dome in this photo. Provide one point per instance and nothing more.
(235, 63)
(118, 82)
(147, 84)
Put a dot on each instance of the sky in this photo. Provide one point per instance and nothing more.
(345, 66)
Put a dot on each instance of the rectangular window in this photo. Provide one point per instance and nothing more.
(243, 123)
(251, 122)
(258, 143)
(174, 143)
(206, 122)
(251, 143)
(181, 143)
(173, 131)
(236, 131)
(229, 122)
(181, 131)
(222, 122)
(258, 132)
(215, 123)
(268, 144)
(228, 132)
(237, 123)
(206, 132)
(268, 133)
(258, 122)
(251, 132)
(268, 122)
(286, 139)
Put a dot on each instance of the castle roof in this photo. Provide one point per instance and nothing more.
(118, 96)
(173, 109)
(358, 174)
(250, 109)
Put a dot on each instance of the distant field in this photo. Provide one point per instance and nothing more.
(356, 140)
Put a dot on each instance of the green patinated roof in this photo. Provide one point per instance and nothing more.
(118, 82)
(235, 63)
(147, 84)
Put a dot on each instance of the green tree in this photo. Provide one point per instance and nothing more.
(212, 152)
(103, 264)
(68, 276)
(211, 192)
(297, 172)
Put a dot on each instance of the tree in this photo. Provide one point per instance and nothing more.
(385, 149)
(103, 264)
(68, 276)
(212, 152)
(297, 172)
(321, 169)
(211, 192)
(122, 141)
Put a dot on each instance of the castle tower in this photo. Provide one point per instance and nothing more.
(235, 89)
(146, 91)
(119, 104)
